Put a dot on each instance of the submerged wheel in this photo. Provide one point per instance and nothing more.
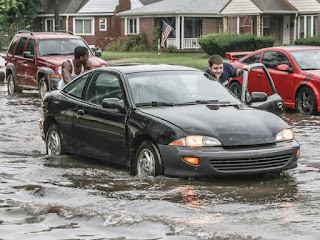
(12, 87)
(306, 101)
(54, 141)
(43, 86)
(236, 89)
(148, 160)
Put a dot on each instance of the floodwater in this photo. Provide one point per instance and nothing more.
(70, 197)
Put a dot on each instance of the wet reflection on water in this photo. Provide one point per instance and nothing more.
(72, 197)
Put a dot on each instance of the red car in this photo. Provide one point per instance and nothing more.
(34, 59)
(295, 71)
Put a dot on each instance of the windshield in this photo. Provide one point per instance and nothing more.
(54, 47)
(307, 59)
(178, 87)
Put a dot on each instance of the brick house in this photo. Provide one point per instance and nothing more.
(94, 20)
(286, 20)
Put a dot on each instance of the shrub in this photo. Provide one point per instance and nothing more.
(172, 49)
(135, 43)
(311, 41)
(226, 42)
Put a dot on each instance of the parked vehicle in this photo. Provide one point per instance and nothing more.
(34, 59)
(167, 120)
(2, 68)
(295, 71)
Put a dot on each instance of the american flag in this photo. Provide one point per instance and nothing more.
(166, 30)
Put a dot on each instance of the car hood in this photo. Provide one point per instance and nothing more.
(315, 72)
(231, 125)
(58, 60)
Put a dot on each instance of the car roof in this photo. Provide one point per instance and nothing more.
(137, 68)
(293, 48)
(49, 35)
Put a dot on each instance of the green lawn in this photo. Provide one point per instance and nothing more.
(196, 60)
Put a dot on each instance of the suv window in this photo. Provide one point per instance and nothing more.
(30, 47)
(53, 47)
(252, 59)
(20, 47)
(13, 44)
(272, 59)
(75, 88)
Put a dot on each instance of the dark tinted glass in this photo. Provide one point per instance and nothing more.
(30, 47)
(13, 44)
(20, 47)
(253, 59)
(272, 59)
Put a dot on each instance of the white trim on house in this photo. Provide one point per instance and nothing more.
(105, 24)
(84, 18)
(126, 26)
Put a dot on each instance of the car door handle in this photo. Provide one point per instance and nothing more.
(24, 61)
(260, 75)
(80, 112)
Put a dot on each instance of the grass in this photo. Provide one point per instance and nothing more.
(196, 60)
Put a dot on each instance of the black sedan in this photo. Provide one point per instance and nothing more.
(167, 120)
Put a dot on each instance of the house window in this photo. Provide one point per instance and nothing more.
(84, 26)
(266, 26)
(308, 26)
(102, 24)
(50, 24)
(132, 26)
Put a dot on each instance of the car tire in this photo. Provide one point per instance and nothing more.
(148, 160)
(236, 89)
(12, 87)
(43, 86)
(306, 101)
(54, 141)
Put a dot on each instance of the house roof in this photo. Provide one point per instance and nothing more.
(178, 7)
(257, 7)
(65, 6)
(274, 6)
(147, 2)
(306, 6)
(99, 6)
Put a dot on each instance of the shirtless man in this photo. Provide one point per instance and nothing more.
(74, 67)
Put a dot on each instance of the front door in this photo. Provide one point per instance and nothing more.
(286, 29)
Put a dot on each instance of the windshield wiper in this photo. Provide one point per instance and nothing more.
(310, 69)
(155, 104)
(205, 102)
(52, 54)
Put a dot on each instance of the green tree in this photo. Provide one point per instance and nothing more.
(17, 14)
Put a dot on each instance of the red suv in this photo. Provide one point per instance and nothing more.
(34, 59)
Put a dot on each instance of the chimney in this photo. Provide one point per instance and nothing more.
(124, 5)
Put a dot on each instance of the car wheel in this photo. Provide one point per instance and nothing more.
(54, 141)
(236, 89)
(147, 160)
(12, 87)
(43, 86)
(306, 101)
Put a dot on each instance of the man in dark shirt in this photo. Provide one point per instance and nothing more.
(222, 70)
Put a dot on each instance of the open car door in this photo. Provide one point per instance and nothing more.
(272, 103)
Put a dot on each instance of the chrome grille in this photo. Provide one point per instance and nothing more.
(250, 164)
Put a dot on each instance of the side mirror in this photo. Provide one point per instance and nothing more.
(27, 54)
(285, 68)
(258, 97)
(112, 103)
(98, 52)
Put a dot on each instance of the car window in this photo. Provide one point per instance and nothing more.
(103, 85)
(271, 59)
(13, 44)
(75, 88)
(30, 47)
(307, 59)
(177, 87)
(20, 47)
(51, 47)
(253, 59)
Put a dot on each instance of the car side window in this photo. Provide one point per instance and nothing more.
(30, 47)
(253, 59)
(13, 44)
(75, 88)
(20, 47)
(103, 85)
(272, 59)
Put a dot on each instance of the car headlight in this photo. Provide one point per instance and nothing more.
(284, 135)
(196, 141)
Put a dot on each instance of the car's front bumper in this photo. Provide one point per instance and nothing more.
(233, 161)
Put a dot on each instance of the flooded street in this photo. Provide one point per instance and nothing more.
(70, 197)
